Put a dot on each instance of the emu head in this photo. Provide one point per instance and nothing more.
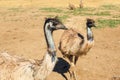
(90, 23)
(54, 24)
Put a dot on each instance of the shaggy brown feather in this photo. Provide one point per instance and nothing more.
(74, 44)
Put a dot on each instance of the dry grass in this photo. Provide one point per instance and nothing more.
(54, 3)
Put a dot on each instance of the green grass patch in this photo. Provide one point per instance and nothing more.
(107, 23)
(14, 9)
(103, 13)
(56, 10)
(86, 9)
(63, 17)
(17, 9)
(110, 7)
(82, 11)
(116, 16)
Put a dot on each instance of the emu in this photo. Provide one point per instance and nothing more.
(17, 68)
(71, 6)
(73, 44)
(81, 4)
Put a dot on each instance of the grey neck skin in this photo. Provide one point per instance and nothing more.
(89, 34)
(49, 39)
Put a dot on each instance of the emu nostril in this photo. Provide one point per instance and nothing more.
(66, 28)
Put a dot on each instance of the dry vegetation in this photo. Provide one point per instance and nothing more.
(21, 33)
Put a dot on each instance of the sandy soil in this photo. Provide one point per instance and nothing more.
(54, 3)
(21, 33)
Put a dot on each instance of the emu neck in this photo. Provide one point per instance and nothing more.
(89, 34)
(48, 36)
(49, 60)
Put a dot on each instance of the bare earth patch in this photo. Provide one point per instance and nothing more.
(21, 33)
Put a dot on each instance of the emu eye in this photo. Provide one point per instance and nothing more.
(55, 23)
(90, 22)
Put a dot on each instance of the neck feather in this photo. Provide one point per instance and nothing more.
(49, 60)
(45, 68)
(89, 34)
(48, 36)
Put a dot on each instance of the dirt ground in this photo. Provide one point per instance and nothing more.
(21, 33)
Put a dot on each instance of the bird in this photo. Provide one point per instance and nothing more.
(74, 44)
(18, 68)
(71, 6)
(81, 4)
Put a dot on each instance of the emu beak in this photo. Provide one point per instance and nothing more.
(94, 25)
(64, 27)
(61, 27)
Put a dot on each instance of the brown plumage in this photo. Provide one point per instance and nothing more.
(17, 68)
(81, 4)
(71, 6)
(74, 44)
